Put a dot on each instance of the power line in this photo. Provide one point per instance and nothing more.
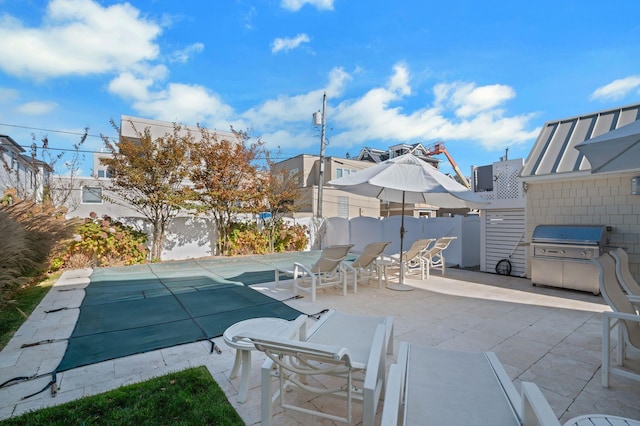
(53, 131)
(281, 157)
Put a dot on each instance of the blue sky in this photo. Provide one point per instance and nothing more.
(480, 76)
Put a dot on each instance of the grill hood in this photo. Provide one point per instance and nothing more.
(592, 235)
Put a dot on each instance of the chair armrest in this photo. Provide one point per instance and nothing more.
(535, 408)
(279, 345)
(392, 397)
(297, 266)
(505, 381)
(634, 299)
(346, 266)
(299, 328)
(622, 315)
(376, 361)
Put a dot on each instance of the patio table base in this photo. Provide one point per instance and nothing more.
(399, 287)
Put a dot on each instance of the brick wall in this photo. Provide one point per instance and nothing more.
(599, 200)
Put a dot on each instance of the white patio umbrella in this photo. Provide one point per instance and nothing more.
(614, 151)
(408, 179)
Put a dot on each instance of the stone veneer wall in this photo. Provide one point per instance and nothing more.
(591, 200)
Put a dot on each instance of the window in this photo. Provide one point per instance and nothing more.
(295, 175)
(91, 195)
(105, 173)
(343, 206)
(344, 172)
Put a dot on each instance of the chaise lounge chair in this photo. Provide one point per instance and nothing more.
(326, 272)
(341, 356)
(624, 316)
(366, 265)
(622, 272)
(434, 256)
(434, 386)
(412, 261)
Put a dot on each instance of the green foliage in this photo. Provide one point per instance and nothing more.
(149, 175)
(226, 179)
(249, 238)
(245, 238)
(104, 242)
(291, 237)
(189, 397)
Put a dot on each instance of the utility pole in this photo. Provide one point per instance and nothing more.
(322, 144)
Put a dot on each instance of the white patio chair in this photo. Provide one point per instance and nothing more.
(365, 266)
(431, 385)
(342, 356)
(434, 256)
(622, 272)
(327, 271)
(412, 259)
(624, 317)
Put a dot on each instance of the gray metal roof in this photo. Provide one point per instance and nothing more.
(554, 152)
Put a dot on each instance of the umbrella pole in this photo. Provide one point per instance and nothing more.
(401, 279)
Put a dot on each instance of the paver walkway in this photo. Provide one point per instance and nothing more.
(546, 335)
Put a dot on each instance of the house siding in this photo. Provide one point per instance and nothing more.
(596, 200)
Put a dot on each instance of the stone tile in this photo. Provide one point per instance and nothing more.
(546, 335)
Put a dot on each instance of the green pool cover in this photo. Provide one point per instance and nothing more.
(130, 310)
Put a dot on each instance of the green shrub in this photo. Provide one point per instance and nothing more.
(249, 238)
(291, 238)
(104, 242)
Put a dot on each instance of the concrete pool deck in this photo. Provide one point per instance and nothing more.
(549, 336)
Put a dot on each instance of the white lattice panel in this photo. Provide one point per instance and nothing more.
(506, 182)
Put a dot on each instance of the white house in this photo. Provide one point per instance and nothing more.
(27, 176)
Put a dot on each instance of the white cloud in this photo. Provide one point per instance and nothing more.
(468, 99)
(37, 107)
(77, 37)
(189, 104)
(135, 84)
(183, 55)
(461, 111)
(288, 44)
(285, 110)
(617, 89)
(296, 5)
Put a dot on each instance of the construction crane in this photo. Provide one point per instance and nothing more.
(439, 148)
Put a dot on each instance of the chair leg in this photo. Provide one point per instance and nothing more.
(620, 346)
(606, 330)
(267, 402)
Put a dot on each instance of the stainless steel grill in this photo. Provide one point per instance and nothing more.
(562, 255)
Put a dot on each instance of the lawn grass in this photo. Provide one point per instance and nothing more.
(189, 397)
(25, 301)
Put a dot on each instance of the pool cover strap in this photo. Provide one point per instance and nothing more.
(126, 312)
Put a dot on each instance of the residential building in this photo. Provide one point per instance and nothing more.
(28, 177)
(561, 188)
(334, 202)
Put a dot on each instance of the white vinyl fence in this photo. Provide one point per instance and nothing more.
(360, 231)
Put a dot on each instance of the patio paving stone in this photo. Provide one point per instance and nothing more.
(546, 335)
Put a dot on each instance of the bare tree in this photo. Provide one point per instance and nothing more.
(39, 177)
